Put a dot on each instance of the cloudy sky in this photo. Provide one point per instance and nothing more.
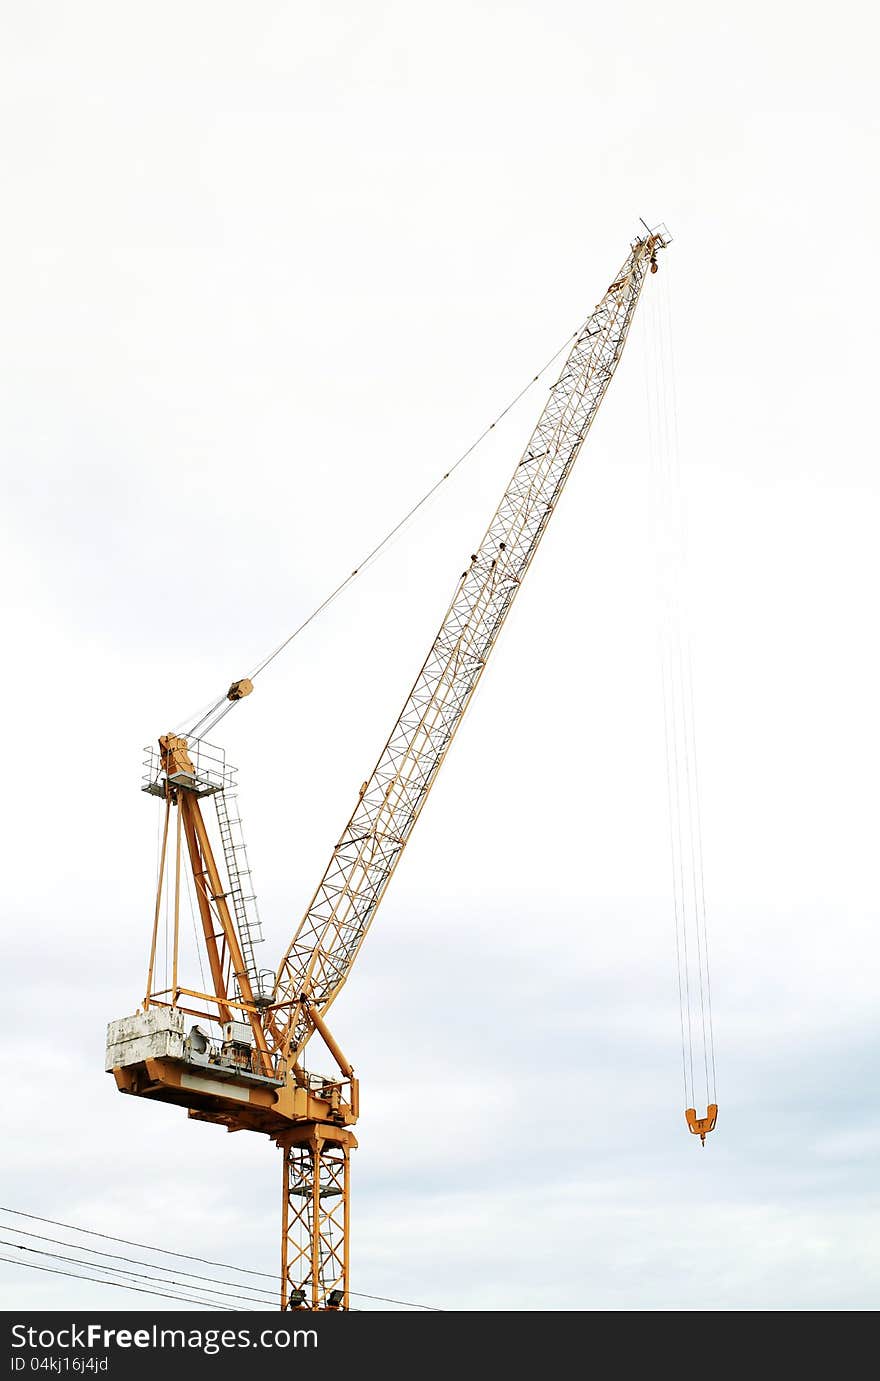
(267, 271)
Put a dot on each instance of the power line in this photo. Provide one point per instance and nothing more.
(126, 1241)
(133, 1261)
(74, 1275)
(432, 1308)
(185, 1256)
(117, 1270)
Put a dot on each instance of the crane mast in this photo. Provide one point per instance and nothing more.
(255, 1078)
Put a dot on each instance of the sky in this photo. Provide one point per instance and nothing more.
(267, 272)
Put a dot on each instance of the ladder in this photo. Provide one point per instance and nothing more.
(241, 895)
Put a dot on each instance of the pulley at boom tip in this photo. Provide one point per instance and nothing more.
(657, 238)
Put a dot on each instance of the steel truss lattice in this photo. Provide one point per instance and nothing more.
(315, 1206)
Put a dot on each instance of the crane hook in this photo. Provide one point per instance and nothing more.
(700, 1126)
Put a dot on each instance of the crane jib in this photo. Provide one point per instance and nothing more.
(333, 928)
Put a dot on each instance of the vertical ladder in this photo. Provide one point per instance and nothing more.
(241, 895)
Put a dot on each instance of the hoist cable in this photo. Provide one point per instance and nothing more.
(687, 715)
(687, 685)
(683, 893)
(664, 548)
(680, 754)
(675, 906)
(676, 668)
(714, 1098)
(679, 713)
(699, 880)
(663, 610)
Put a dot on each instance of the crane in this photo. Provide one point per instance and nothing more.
(232, 1052)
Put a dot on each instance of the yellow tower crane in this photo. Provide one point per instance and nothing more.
(232, 1052)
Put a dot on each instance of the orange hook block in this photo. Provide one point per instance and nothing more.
(701, 1125)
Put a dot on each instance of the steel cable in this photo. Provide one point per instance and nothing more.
(220, 708)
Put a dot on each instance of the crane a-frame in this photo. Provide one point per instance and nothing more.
(232, 1052)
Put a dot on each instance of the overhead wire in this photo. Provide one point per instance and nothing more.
(117, 1270)
(184, 1256)
(135, 1261)
(75, 1275)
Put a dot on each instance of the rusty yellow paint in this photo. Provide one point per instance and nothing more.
(700, 1126)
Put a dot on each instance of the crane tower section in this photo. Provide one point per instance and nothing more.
(330, 934)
